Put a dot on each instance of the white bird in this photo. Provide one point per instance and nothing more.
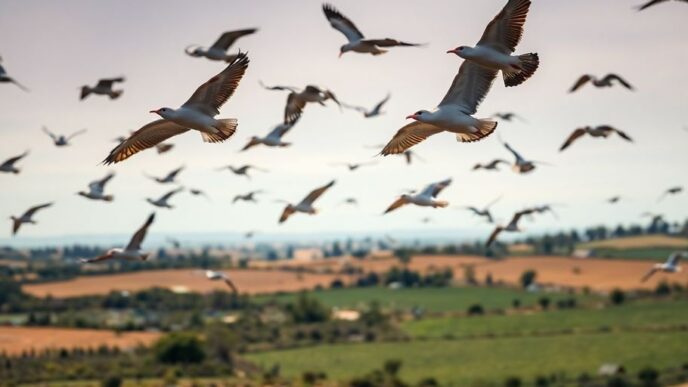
(297, 100)
(426, 198)
(197, 113)
(242, 170)
(491, 166)
(4, 78)
(218, 51)
(169, 178)
(607, 81)
(103, 87)
(374, 112)
(8, 166)
(602, 131)
(218, 276)
(499, 41)
(484, 212)
(62, 140)
(654, 2)
(27, 217)
(356, 40)
(96, 189)
(306, 205)
(511, 227)
(132, 251)
(273, 139)
(521, 165)
(247, 197)
(162, 201)
(671, 191)
(670, 266)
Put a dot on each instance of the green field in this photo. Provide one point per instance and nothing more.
(646, 253)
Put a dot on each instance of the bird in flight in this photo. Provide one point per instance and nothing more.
(607, 81)
(198, 192)
(499, 41)
(484, 212)
(132, 251)
(242, 170)
(374, 112)
(350, 201)
(613, 199)
(426, 198)
(273, 139)
(62, 140)
(219, 276)
(297, 100)
(162, 201)
(354, 166)
(103, 87)
(169, 178)
(27, 217)
(356, 40)
(655, 2)
(4, 78)
(521, 165)
(163, 147)
(670, 266)
(96, 189)
(671, 191)
(247, 197)
(8, 166)
(491, 166)
(511, 227)
(603, 131)
(197, 113)
(306, 205)
(508, 116)
(218, 51)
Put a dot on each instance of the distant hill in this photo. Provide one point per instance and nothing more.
(638, 242)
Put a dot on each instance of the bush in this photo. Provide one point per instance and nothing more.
(179, 348)
(475, 310)
(308, 310)
(663, 289)
(513, 382)
(617, 297)
(544, 302)
(528, 278)
(617, 381)
(112, 381)
(648, 377)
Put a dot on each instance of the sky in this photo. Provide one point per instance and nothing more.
(56, 47)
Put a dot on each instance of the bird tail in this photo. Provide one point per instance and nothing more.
(115, 94)
(379, 52)
(85, 91)
(226, 128)
(108, 198)
(528, 63)
(485, 128)
(441, 204)
(285, 144)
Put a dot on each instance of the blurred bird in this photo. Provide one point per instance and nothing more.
(409, 155)
(491, 166)
(354, 166)
(614, 199)
(357, 43)
(485, 211)
(169, 178)
(197, 113)
(607, 81)
(273, 139)
(521, 165)
(247, 197)
(218, 276)
(508, 116)
(243, 170)
(671, 191)
(545, 208)
(670, 266)
(306, 205)
(4, 78)
(350, 201)
(198, 192)
(511, 227)
(8, 166)
(426, 198)
(174, 242)
(297, 100)
(96, 189)
(103, 87)
(655, 2)
(603, 131)
(218, 51)
(426, 220)
(163, 148)
(27, 217)
(374, 112)
(132, 251)
(62, 140)
(162, 201)
(499, 41)
(249, 234)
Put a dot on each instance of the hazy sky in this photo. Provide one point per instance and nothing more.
(54, 47)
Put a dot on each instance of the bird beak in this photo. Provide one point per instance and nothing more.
(413, 116)
(452, 51)
(153, 111)
(340, 54)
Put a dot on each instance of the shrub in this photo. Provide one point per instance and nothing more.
(544, 302)
(475, 310)
(513, 382)
(617, 297)
(112, 381)
(648, 377)
(179, 348)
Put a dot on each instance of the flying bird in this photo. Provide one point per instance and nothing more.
(671, 191)
(169, 178)
(218, 51)
(613, 199)
(508, 116)
(162, 201)
(491, 166)
(162, 147)
(218, 276)
(297, 100)
(198, 192)
(306, 205)
(521, 165)
(511, 227)
(197, 113)
(8, 166)
(247, 197)
(655, 2)
(670, 266)
(27, 217)
(174, 242)
(354, 166)
(242, 170)
(273, 139)
(374, 112)
(62, 140)
(4, 78)
(356, 40)
(96, 189)
(603, 131)
(132, 251)
(103, 87)
(426, 198)
(350, 201)
(484, 212)
(607, 81)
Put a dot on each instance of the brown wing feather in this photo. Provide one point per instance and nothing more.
(573, 137)
(288, 211)
(409, 136)
(398, 203)
(228, 38)
(505, 30)
(137, 239)
(580, 82)
(144, 138)
(316, 193)
(210, 96)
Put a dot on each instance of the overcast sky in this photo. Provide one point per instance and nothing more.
(56, 47)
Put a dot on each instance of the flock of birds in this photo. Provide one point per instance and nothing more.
(492, 55)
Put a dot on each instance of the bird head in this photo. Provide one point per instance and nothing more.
(163, 112)
(82, 193)
(459, 51)
(419, 115)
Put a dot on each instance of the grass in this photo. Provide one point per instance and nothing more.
(229, 381)
(639, 242)
(653, 253)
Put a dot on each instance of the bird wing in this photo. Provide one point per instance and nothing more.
(144, 138)
(505, 30)
(288, 211)
(650, 4)
(279, 88)
(228, 38)
(137, 239)
(29, 213)
(78, 132)
(470, 86)
(14, 159)
(674, 259)
(408, 136)
(210, 96)
(49, 133)
(99, 185)
(434, 189)
(174, 173)
(580, 82)
(513, 151)
(316, 193)
(517, 216)
(623, 135)
(280, 130)
(389, 42)
(648, 274)
(251, 143)
(294, 108)
(397, 203)
(379, 105)
(162, 148)
(229, 283)
(168, 195)
(494, 235)
(108, 82)
(342, 24)
(359, 109)
(573, 137)
(612, 77)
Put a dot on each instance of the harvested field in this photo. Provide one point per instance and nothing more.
(643, 241)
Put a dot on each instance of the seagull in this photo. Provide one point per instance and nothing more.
(243, 170)
(174, 242)
(671, 191)
(274, 138)
(132, 251)
(350, 201)
(598, 131)
(520, 164)
(409, 155)
(103, 87)
(508, 116)
(374, 112)
(218, 51)
(197, 192)
(484, 212)
(162, 147)
(197, 113)
(607, 81)
(654, 2)
(545, 208)
(511, 227)
(27, 217)
(62, 140)
(357, 43)
(499, 41)
(96, 189)
(247, 197)
(297, 100)
(162, 201)
(670, 266)
(249, 234)
(4, 78)
(169, 178)
(354, 166)
(426, 198)
(306, 205)
(218, 276)
(491, 166)
(8, 165)
(614, 199)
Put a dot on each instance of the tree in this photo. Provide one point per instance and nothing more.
(112, 381)
(308, 310)
(617, 296)
(179, 348)
(544, 302)
(648, 377)
(528, 278)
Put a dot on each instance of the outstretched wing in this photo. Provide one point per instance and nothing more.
(573, 137)
(649, 274)
(14, 159)
(623, 135)
(397, 203)
(494, 235)
(316, 193)
(378, 107)
(470, 86)
(650, 4)
(388, 42)
(228, 38)
(77, 133)
(505, 30)
(168, 195)
(137, 239)
(288, 211)
(146, 137)
(280, 130)
(513, 152)
(409, 136)
(342, 24)
(108, 82)
(99, 185)
(49, 133)
(580, 82)
(434, 189)
(210, 96)
(278, 88)
(174, 173)
(29, 213)
(294, 108)
(615, 77)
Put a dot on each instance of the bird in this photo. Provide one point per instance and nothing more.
(4, 78)
(541, 209)
(499, 41)
(350, 201)
(174, 242)
(27, 217)
(103, 87)
(374, 112)
(62, 140)
(426, 198)
(242, 170)
(511, 227)
(162, 147)
(613, 199)
(197, 113)
(491, 166)
(169, 178)
(218, 51)
(297, 100)
(356, 40)
(8, 166)
(218, 276)
(132, 251)
(521, 165)
(162, 201)
(671, 191)
(96, 189)
(606, 81)
(670, 266)
(508, 116)
(247, 197)
(654, 2)
(273, 139)
(484, 212)
(306, 205)
(198, 192)
(409, 155)
(354, 166)
(249, 234)
(603, 131)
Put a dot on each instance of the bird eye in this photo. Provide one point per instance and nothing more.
(419, 113)
(461, 48)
